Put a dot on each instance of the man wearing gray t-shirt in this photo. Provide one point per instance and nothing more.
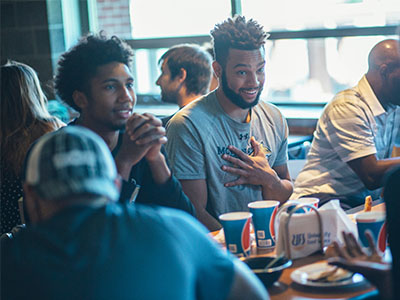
(226, 148)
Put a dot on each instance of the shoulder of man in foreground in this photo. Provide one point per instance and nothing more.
(211, 261)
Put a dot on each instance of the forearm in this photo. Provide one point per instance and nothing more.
(169, 194)
(159, 169)
(196, 190)
(381, 167)
(123, 167)
(207, 220)
(372, 171)
(277, 189)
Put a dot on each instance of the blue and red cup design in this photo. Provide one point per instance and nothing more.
(237, 232)
(375, 223)
(264, 213)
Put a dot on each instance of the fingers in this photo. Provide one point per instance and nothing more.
(356, 246)
(239, 181)
(151, 140)
(156, 120)
(136, 119)
(242, 156)
(338, 251)
(351, 244)
(255, 145)
(145, 125)
(233, 170)
(235, 161)
(150, 135)
(342, 251)
(371, 242)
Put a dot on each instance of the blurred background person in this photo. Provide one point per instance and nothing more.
(186, 72)
(24, 118)
(214, 80)
(356, 134)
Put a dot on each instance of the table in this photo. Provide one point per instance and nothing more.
(286, 289)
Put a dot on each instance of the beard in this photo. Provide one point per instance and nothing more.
(169, 96)
(236, 98)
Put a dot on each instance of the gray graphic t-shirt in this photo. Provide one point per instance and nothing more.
(201, 132)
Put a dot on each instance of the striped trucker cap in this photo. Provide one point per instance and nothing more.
(71, 161)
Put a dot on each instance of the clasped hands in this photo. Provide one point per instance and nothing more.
(252, 169)
(144, 135)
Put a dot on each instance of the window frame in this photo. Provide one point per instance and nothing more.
(236, 8)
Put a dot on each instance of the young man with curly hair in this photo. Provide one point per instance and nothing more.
(229, 149)
(186, 73)
(94, 78)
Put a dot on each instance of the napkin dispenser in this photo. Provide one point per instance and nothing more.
(300, 235)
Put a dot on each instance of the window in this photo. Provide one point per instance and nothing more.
(169, 18)
(316, 48)
(314, 69)
(317, 14)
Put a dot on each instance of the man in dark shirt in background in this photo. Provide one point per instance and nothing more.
(186, 72)
(94, 78)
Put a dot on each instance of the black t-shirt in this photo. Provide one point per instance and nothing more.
(142, 188)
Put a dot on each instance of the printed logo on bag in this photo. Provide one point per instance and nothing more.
(298, 241)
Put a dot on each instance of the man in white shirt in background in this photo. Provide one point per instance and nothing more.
(356, 134)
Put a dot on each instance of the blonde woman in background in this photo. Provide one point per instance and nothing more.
(24, 118)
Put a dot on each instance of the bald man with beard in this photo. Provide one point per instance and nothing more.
(356, 135)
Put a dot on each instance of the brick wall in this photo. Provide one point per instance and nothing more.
(31, 35)
(113, 17)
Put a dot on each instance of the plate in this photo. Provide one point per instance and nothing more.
(301, 274)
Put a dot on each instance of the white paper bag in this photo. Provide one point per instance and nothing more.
(344, 223)
(304, 234)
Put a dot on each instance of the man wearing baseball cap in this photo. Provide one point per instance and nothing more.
(83, 244)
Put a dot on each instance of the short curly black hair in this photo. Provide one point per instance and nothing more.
(78, 65)
(236, 33)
